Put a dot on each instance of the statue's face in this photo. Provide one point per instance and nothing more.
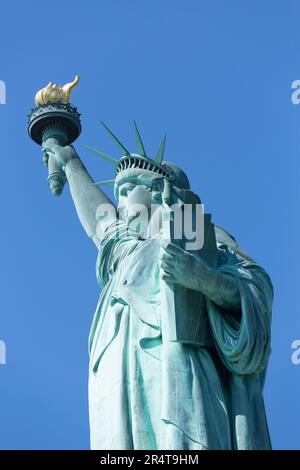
(133, 195)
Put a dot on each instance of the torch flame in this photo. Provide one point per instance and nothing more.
(54, 93)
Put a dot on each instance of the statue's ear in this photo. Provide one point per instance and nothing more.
(156, 197)
(158, 184)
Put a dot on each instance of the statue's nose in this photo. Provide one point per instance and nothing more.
(139, 195)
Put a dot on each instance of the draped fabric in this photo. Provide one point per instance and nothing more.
(148, 394)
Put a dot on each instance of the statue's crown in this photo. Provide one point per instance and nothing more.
(140, 164)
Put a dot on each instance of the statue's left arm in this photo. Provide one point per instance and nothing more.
(239, 296)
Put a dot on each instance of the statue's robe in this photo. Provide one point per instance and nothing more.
(145, 393)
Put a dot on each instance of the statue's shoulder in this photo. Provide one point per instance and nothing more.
(223, 237)
(226, 240)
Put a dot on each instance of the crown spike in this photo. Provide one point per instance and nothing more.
(140, 146)
(116, 141)
(111, 160)
(105, 183)
(160, 152)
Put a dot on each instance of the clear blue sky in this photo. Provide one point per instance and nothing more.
(216, 76)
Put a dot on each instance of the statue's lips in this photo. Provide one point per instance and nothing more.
(131, 218)
(141, 228)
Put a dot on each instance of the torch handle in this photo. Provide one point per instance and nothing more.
(56, 176)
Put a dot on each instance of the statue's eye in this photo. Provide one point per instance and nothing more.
(123, 192)
(126, 190)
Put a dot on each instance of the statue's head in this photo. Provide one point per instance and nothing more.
(140, 179)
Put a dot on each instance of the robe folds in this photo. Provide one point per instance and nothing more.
(146, 393)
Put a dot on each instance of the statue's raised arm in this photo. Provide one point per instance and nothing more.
(88, 198)
(55, 124)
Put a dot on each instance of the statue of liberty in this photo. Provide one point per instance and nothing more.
(179, 343)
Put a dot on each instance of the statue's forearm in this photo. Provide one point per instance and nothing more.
(87, 198)
(219, 287)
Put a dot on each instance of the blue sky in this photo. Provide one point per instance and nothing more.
(216, 76)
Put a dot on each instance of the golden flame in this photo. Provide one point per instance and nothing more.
(54, 93)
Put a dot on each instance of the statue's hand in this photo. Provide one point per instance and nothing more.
(180, 267)
(61, 154)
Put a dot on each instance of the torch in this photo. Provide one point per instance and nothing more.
(54, 117)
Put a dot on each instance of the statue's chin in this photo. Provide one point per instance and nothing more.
(134, 223)
(145, 228)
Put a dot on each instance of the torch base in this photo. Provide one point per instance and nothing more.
(54, 119)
